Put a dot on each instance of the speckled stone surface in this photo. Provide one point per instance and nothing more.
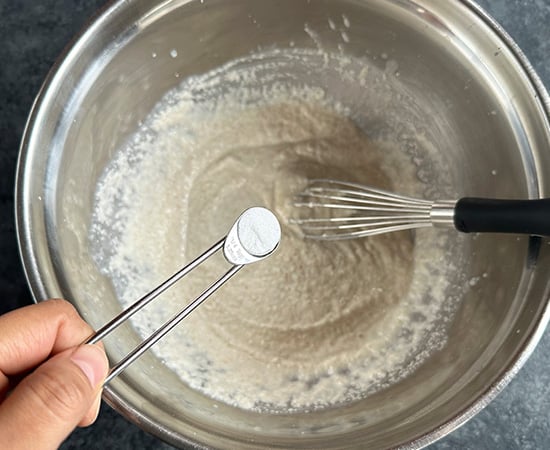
(34, 33)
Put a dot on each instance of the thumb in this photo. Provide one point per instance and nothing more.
(49, 403)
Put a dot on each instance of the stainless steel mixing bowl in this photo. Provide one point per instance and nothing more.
(479, 96)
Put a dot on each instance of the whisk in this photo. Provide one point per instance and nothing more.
(343, 210)
(254, 236)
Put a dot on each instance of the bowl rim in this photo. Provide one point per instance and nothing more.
(33, 273)
(532, 339)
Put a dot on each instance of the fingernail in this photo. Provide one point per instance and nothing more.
(93, 363)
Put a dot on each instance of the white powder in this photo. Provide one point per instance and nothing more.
(258, 231)
(255, 235)
(317, 324)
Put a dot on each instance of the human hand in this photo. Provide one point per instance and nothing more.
(39, 409)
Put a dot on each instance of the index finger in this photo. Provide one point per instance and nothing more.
(30, 335)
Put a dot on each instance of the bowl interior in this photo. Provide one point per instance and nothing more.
(481, 122)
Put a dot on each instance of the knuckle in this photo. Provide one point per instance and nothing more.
(64, 308)
(71, 325)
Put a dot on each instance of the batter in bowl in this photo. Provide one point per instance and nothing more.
(320, 323)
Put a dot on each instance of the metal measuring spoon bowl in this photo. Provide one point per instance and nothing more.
(254, 236)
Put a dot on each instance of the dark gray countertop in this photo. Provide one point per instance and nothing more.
(34, 32)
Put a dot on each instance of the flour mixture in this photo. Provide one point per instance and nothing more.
(318, 324)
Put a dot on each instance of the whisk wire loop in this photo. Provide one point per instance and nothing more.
(337, 207)
(344, 210)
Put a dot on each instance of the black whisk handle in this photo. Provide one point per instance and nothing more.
(478, 215)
